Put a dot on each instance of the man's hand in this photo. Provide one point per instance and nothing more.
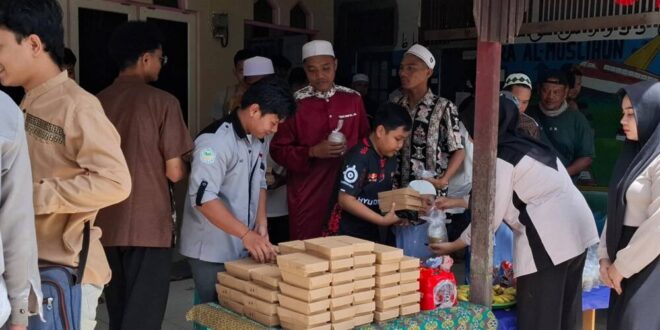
(605, 265)
(259, 247)
(439, 183)
(17, 327)
(327, 149)
(616, 278)
(390, 218)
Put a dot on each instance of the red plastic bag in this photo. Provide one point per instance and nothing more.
(438, 288)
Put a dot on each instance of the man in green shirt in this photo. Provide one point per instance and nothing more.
(565, 129)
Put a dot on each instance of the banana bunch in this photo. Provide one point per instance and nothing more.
(501, 295)
(464, 293)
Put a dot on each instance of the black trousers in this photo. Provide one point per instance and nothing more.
(637, 306)
(552, 298)
(137, 294)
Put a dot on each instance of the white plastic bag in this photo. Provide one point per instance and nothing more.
(437, 232)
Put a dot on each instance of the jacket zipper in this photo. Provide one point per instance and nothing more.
(254, 167)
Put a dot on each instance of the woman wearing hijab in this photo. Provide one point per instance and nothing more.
(551, 222)
(629, 246)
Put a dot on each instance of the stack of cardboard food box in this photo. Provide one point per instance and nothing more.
(251, 289)
(337, 282)
(305, 291)
(388, 300)
(364, 282)
(339, 255)
(403, 199)
(409, 284)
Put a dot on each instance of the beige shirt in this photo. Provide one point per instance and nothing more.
(643, 211)
(77, 168)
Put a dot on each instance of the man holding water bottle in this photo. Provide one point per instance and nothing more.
(330, 120)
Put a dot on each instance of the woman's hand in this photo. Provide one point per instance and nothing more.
(444, 203)
(605, 265)
(616, 279)
(446, 248)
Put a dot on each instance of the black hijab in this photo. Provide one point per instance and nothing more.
(512, 143)
(635, 156)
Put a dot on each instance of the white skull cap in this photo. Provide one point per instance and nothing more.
(317, 48)
(423, 53)
(257, 66)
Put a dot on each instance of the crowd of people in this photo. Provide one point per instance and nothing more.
(292, 155)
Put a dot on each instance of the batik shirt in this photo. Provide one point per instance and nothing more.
(434, 137)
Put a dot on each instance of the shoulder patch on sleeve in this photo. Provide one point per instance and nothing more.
(207, 156)
(350, 174)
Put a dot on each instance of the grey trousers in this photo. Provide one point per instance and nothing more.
(205, 276)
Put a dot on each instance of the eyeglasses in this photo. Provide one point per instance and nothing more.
(163, 60)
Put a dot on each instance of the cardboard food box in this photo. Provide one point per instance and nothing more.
(409, 309)
(295, 326)
(303, 307)
(365, 272)
(232, 306)
(383, 305)
(404, 199)
(364, 284)
(227, 280)
(401, 203)
(410, 298)
(409, 287)
(299, 319)
(363, 319)
(302, 264)
(309, 283)
(343, 325)
(385, 280)
(363, 260)
(387, 292)
(259, 305)
(242, 268)
(340, 302)
(409, 276)
(304, 294)
(291, 247)
(342, 314)
(386, 269)
(409, 263)
(268, 277)
(363, 296)
(387, 254)
(329, 248)
(341, 290)
(343, 277)
(369, 307)
(229, 293)
(267, 320)
(260, 292)
(360, 246)
(389, 314)
(340, 265)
